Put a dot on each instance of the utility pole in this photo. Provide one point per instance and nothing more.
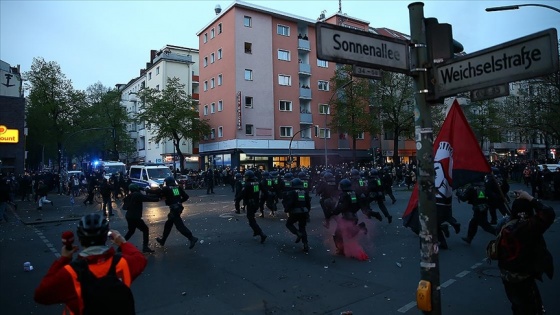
(428, 293)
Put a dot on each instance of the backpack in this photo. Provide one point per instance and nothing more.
(126, 202)
(505, 247)
(107, 295)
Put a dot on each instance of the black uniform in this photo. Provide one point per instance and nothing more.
(496, 200)
(134, 218)
(387, 182)
(347, 226)
(174, 197)
(239, 183)
(476, 196)
(375, 193)
(250, 196)
(327, 189)
(268, 195)
(360, 186)
(297, 204)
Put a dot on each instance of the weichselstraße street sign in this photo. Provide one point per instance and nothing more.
(349, 46)
(523, 58)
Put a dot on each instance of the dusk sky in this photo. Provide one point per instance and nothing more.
(110, 41)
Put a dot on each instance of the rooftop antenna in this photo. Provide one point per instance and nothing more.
(339, 6)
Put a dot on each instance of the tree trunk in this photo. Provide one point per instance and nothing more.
(396, 160)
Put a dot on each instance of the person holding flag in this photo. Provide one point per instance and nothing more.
(458, 161)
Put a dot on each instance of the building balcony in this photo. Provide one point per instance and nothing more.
(303, 44)
(133, 134)
(195, 96)
(195, 79)
(305, 118)
(305, 93)
(304, 69)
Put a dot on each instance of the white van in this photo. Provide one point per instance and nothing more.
(110, 167)
(150, 177)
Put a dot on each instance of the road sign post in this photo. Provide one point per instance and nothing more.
(524, 58)
(349, 46)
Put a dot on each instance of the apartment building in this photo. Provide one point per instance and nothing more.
(265, 93)
(168, 62)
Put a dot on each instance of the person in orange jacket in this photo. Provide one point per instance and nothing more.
(61, 285)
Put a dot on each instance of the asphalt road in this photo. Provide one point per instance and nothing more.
(230, 272)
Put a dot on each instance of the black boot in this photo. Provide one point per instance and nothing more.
(146, 249)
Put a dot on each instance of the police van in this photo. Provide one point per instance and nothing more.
(109, 167)
(150, 176)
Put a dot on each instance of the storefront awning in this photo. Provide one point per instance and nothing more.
(304, 152)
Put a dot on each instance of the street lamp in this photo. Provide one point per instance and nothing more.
(290, 146)
(515, 7)
(326, 114)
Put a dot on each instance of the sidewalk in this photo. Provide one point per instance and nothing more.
(62, 210)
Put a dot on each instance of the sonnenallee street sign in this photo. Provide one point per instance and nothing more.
(526, 57)
(349, 46)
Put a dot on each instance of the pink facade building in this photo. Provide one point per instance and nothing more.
(265, 93)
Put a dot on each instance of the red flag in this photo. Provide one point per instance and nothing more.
(458, 160)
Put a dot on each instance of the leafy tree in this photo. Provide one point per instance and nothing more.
(351, 110)
(172, 114)
(52, 104)
(486, 120)
(393, 97)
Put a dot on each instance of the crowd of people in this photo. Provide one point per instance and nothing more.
(343, 191)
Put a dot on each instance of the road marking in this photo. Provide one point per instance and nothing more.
(447, 283)
(462, 274)
(407, 307)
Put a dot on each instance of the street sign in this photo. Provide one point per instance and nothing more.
(526, 57)
(490, 92)
(350, 46)
(364, 72)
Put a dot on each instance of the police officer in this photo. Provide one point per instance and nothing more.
(174, 196)
(360, 186)
(375, 193)
(298, 204)
(134, 216)
(239, 183)
(347, 207)
(250, 196)
(268, 194)
(327, 190)
(476, 196)
(387, 182)
(285, 186)
(305, 180)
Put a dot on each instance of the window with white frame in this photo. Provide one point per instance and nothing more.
(149, 75)
(322, 63)
(247, 21)
(212, 83)
(283, 55)
(212, 108)
(219, 54)
(249, 101)
(220, 28)
(324, 109)
(360, 136)
(285, 106)
(157, 70)
(220, 79)
(212, 58)
(249, 129)
(211, 33)
(248, 75)
(205, 110)
(284, 80)
(205, 61)
(212, 133)
(324, 133)
(220, 132)
(285, 131)
(283, 30)
(205, 85)
(323, 85)
(220, 105)
(157, 87)
(205, 37)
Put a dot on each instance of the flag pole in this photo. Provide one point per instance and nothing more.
(428, 295)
